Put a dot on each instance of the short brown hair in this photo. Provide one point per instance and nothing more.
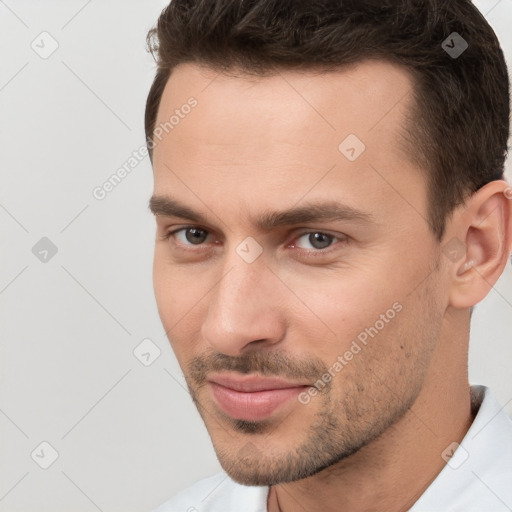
(460, 124)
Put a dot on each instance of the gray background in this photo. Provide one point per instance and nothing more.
(127, 435)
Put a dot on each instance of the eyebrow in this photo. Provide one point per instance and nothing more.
(307, 213)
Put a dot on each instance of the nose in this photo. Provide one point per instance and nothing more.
(244, 308)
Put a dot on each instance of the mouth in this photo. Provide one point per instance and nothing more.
(251, 397)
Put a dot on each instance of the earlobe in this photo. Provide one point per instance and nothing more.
(484, 228)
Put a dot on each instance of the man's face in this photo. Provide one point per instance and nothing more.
(352, 302)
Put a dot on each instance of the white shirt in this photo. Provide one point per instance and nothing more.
(477, 478)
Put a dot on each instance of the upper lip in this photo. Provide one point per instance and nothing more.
(251, 383)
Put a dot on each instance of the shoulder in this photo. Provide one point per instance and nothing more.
(217, 493)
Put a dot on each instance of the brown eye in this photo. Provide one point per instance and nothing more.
(316, 240)
(195, 235)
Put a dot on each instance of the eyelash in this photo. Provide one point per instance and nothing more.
(312, 252)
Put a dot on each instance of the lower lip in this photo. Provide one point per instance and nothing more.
(253, 406)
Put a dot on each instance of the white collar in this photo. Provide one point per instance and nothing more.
(478, 477)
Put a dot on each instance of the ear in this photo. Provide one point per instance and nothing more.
(483, 243)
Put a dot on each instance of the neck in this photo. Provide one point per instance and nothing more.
(394, 470)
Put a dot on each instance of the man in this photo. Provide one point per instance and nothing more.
(330, 206)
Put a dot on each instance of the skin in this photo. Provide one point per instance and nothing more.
(373, 438)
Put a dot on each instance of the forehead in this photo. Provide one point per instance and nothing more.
(355, 98)
(285, 133)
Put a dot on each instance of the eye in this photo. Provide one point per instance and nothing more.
(316, 240)
(189, 235)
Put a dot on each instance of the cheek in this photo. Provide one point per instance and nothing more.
(178, 297)
(163, 286)
(358, 324)
(345, 301)
(381, 365)
(175, 286)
